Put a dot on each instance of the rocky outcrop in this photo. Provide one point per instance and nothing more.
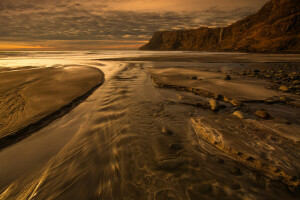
(275, 28)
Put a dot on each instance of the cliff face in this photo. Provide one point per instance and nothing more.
(274, 28)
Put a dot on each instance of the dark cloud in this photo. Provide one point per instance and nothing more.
(91, 20)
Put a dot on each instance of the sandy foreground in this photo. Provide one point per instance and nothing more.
(255, 121)
(159, 128)
(32, 97)
(255, 101)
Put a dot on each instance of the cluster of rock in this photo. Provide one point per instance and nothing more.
(215, 105)
(283, 80)
(275, 28)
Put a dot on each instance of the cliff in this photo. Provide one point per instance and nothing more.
(275, 29)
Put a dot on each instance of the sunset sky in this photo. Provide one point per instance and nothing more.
(108, 24)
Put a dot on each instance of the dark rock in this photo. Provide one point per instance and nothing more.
(250, 159)
(167, 131)
(194, 78)
(236, 171)
(227, 77)
(175, 146)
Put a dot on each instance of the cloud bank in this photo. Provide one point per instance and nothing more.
(112, 24)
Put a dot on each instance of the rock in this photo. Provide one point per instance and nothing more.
(194, 78)
(167, 131)
(297, 82)
(262, 114)
(294, 77)
(269, 101)
(284, 99)
(239, 114)
(214, 104)
(227, 77)
(286, 79)
(268, 76)
(175, 146)
(236, 171)
(284, 88)
(235, 102)
(217, 96)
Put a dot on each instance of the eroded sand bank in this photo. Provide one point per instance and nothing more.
(29, 95)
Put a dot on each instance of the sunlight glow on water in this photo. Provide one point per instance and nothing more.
(48, 59)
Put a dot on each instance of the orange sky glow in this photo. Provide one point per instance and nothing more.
(113, 24)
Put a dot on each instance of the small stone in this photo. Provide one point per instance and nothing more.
(297, 82)
(217, 96)
(214, 104)
(285, 99)
(269, 101)
(239, 114)
(194, 78)
(175, 146)
(236, 171)
(262, 114)
(294, 77)
(250, 159)
(268, 76)
(236, 102)
(167, 131)
(227, 77)
(284, 88)
(277, 171)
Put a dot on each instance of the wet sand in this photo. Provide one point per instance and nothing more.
(137, 137)
(266, 142)
(31, 96)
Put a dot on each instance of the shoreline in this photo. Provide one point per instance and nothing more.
(215, 58)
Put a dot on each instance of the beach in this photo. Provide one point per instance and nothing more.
(31, 96)
(162, 125)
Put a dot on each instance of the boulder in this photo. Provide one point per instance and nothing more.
(235, 102)
(240, 114)
(284, 88)
(214, 104)
(262, 114)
